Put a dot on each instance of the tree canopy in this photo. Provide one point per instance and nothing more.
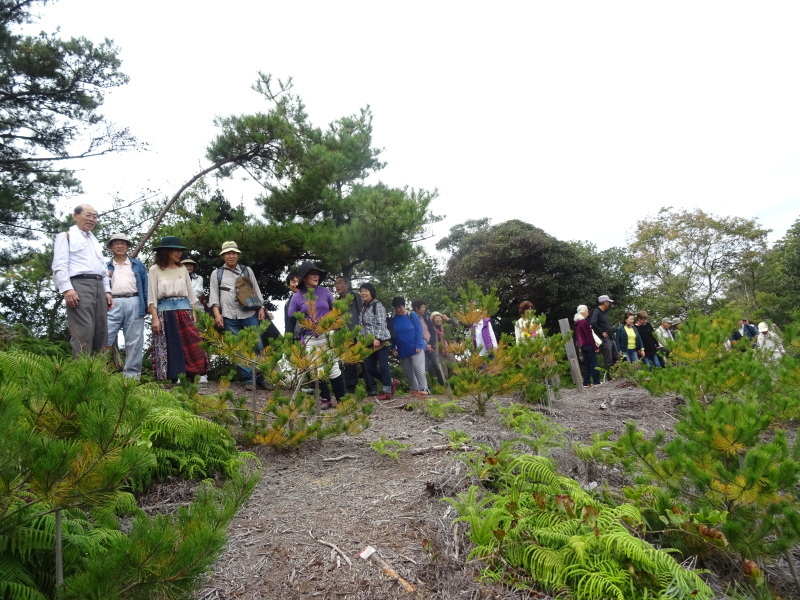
(686, 260)
(204, 219)
(525, 263)
(50, 94)
(315, 188)
(773, 285)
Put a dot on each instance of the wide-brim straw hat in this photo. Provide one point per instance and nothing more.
(172, 242)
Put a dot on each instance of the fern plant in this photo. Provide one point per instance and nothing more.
(540, 432)
(436, 408)
(540, 529)
(388, 447)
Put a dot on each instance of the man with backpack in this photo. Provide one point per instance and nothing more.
(236, 302)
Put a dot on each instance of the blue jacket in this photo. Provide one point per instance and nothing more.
(141, 281)
(408, 335)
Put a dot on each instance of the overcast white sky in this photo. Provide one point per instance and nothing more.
(578, 117)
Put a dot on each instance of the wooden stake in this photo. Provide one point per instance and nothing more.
(369, 553)
(572, 356)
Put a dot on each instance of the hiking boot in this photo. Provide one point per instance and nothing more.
(383, 397)
(325, 404)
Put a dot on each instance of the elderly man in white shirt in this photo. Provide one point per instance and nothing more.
(82, 277)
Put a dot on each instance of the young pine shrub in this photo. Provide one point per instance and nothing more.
(290, 420)
(76, 438)
(728, 459)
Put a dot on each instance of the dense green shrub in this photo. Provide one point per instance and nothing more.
(77, 440)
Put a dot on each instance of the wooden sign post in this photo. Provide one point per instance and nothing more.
(572, 356)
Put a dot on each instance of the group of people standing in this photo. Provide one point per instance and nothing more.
(634, 339)
(748, 335)
(103, 297)
(411, 336)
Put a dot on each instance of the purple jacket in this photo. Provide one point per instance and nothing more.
(324, 304)
(583, 333)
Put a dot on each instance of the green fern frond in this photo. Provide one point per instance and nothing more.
(16, 581)
(592, 585)
(545, 564)
(534, 469)
(543, 519)
(624, 546)
(568, 542)
(19, 591)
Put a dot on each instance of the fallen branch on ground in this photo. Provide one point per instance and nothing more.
(334, 547)
(369, 553)
(338, 458)
(461, 448)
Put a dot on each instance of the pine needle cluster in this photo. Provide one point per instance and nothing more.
(530, 367)
(290, 420)
(78, 440)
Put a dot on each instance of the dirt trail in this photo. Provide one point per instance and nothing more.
(342, 493)
(315, 509)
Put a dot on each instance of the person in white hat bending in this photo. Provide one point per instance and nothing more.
(768, 343)
(129, 290)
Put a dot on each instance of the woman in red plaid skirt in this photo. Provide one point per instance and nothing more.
(175, 345)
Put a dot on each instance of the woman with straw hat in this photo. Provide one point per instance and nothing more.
(310, 276)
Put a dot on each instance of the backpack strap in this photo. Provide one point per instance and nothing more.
(221, 269)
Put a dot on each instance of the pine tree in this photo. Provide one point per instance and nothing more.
(729, 456)
(288, 421)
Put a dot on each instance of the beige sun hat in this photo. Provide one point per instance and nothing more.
(230, 247)
(122, 237)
